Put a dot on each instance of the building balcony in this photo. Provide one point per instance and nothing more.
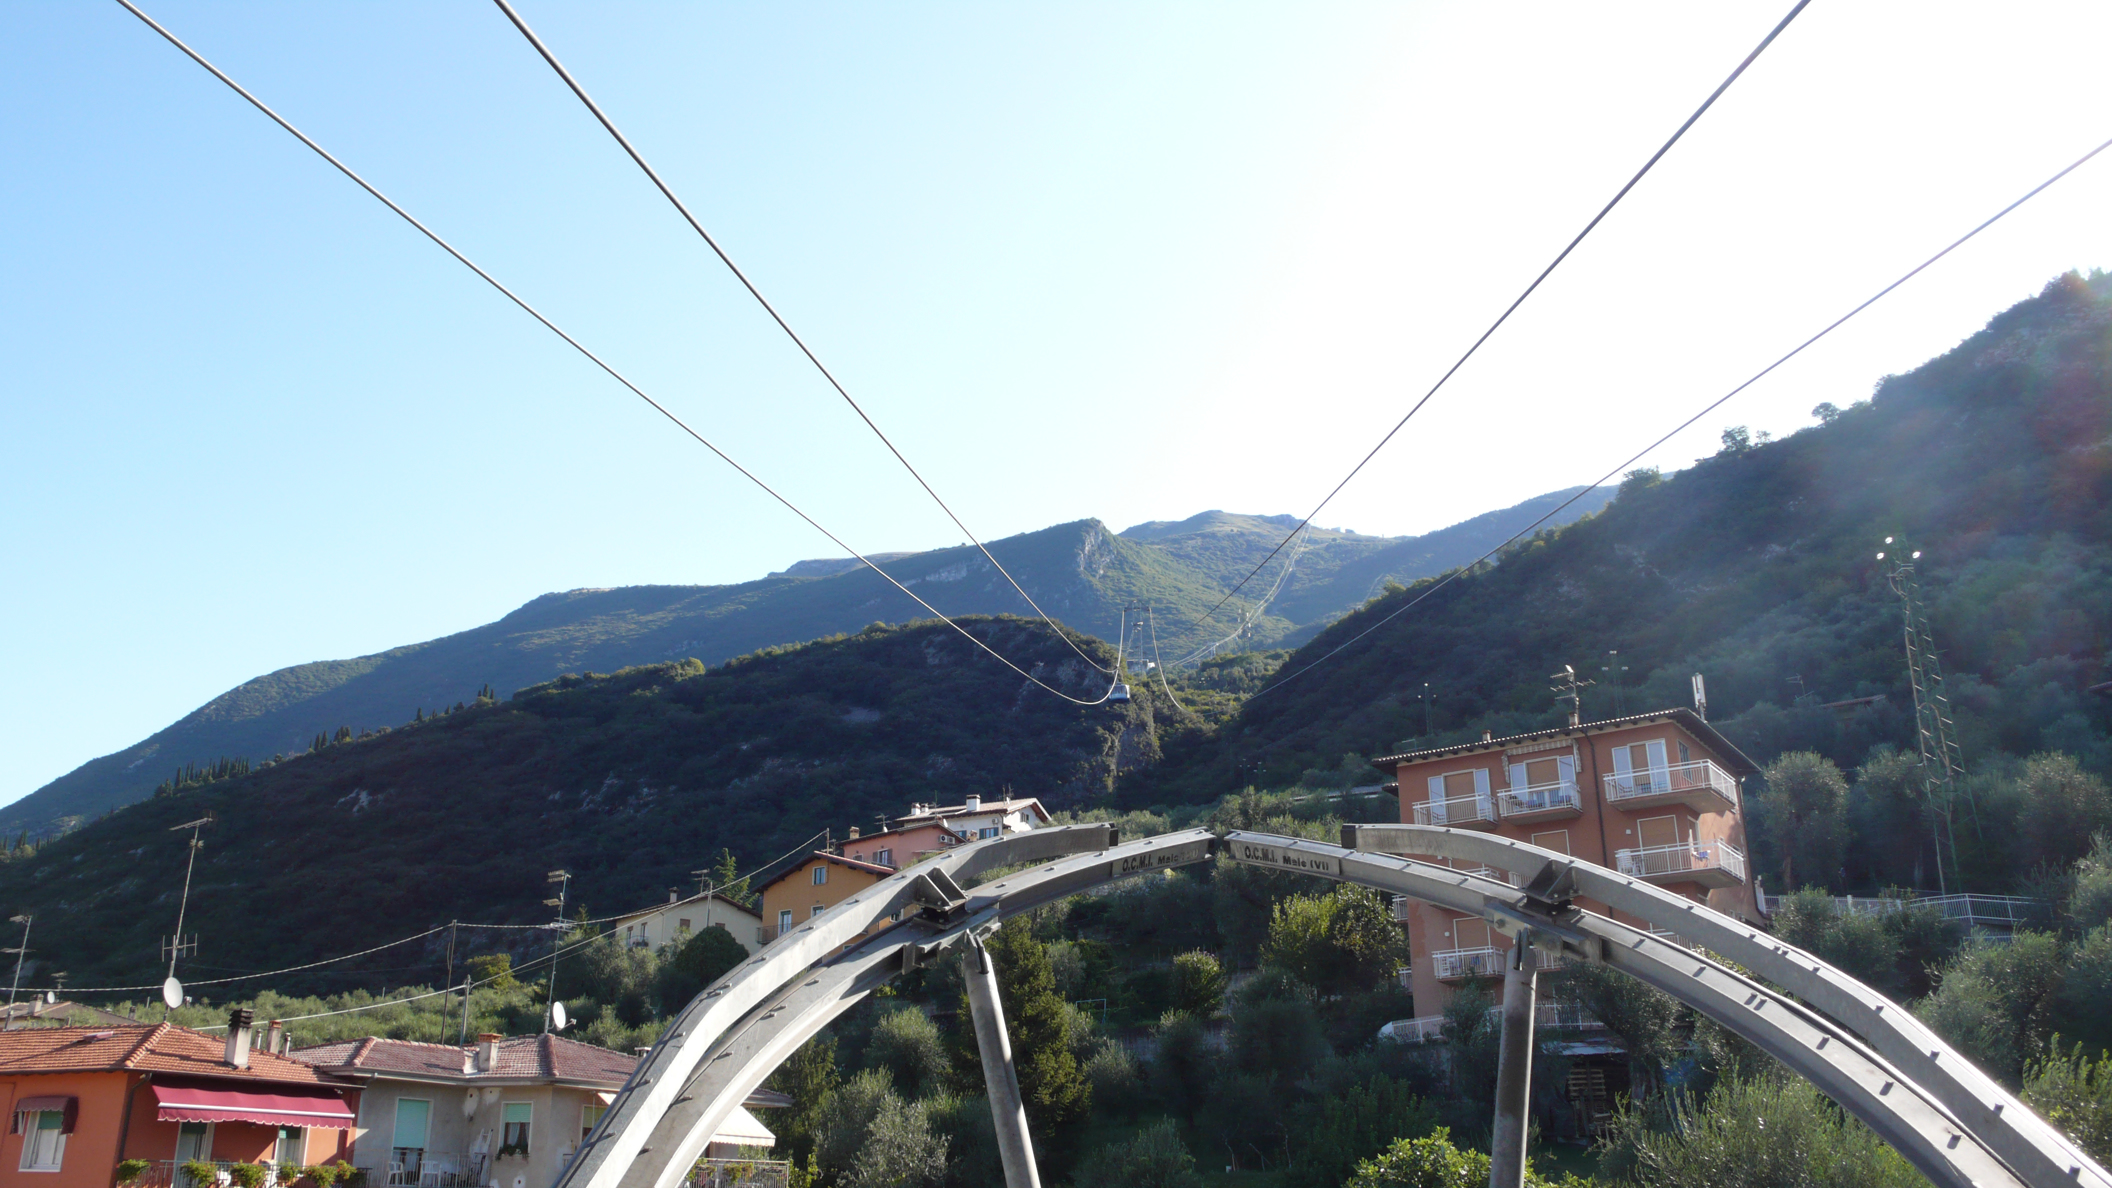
(1708, 864)
(1547, 1016)
(1460, 812)
(1455, 965)
(1540, 802)
(1700, 785)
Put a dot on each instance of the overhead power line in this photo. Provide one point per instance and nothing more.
(1512, 308)
(669, 193)
(1712, 406)
(597, 360)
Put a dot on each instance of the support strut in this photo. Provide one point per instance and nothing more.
(1514, 1068)
(999, 1076)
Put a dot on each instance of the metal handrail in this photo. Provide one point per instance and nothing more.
(1700, 774)
(1474, 807)
(1680, 858)
(1539, 798)
(1469, 963)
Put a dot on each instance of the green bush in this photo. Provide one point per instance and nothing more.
(132, 1169)
(1772, 1131)
(907, 1044)
(200, 1173)
(2074, 1093)
(1198, 984)
(1155, 1158)
(1355, 1125)
(247, 1175)
(1430, 1162)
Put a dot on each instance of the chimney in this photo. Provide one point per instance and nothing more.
(1490, 735)
(238, 1024)
(854, 833)
(1575, 720)
(975, 803)
(487, 1051)
(275, 1038)
(674, 894)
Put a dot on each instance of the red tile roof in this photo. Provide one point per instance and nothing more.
(161, 1048)
(537, 1057)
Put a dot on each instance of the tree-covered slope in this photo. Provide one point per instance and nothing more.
(1757, 568)
(630, 780)
(1080, 573)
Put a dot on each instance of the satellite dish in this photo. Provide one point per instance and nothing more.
(172, 994)
(557, 1016)
(50, 997)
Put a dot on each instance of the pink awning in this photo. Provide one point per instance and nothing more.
(280, 1105)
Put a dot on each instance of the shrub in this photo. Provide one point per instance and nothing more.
(1198, 984)
(2074, 1093)
(1354, 1126)
(247, 1175)
(200, 1173)
(132, 1169)
(906, 1043)
(1766, 1132)
(1155, 1158)
(1430, 1162)
(1112, 1073)
(322, 1175)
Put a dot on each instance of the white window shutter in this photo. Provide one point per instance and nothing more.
(1437, 800)
(1481, 792)
(1517, 776)
(1623, 771)
(1659, 777)
(1566, 769)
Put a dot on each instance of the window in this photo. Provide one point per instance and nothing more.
(1459, 784)
(292, 1145)
(1658, 831)
(514, 1117)
(884, 857)
(588, 1117)
(821, 875)
(1686, 755)
(784, 921)
(407, 1146)
(43, 1140)
(1558, 841)
(682, 925)
(1542, 771)
(987, 831)
(818, 909)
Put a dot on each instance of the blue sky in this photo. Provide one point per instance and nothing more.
(1129, 262)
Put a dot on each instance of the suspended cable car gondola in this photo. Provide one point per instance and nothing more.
(1119, 693)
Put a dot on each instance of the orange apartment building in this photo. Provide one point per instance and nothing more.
(811, 886)
(82, 1099)
(1656, 796)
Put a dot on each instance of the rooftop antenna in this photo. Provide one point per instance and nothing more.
(562, 880)
(24, 920)
(1701, 697)
(1568, 688)
(1426, 709)
(178, 945)
(1935, 735)
(1613, 668)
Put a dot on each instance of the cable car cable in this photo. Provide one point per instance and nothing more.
(1683, 425)
(1714, 95)
(618, 376)
(668, 192)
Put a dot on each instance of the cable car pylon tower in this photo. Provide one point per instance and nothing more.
(1935, 732)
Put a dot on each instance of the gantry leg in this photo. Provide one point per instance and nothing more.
(1514, 1068)
(1006, 1108)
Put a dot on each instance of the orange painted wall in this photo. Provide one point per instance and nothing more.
(797, 892)
(151, 1138)
(1594, 834)
(90, 1160)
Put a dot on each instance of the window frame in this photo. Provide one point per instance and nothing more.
(590, 1115)
(821, 874)
(527, 1127)
(300, 1153)
(30, 1136)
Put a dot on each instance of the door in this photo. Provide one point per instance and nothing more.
(194, 1140)
(407, 1148)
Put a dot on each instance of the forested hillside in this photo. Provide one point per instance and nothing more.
(1757, 568)
(630, 780)
(1080, 573)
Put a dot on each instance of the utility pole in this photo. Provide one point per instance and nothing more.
(1426, 709)
(24, 921)
(1568, 688)
(562, 880)
(178, 946)
(1935, 735)
(1613, 668)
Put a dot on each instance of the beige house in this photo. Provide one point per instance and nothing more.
(502, 1113)
(663, 923)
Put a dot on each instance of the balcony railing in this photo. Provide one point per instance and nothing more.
(1458, 810)
(1685, 858)
(1469, 963)
(2004, 913)
(740, 1173)
(1547, 1016)
(1700, 777)
(1539, 798)
(169, 1173)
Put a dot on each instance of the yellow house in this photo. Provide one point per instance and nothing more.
(810, 887)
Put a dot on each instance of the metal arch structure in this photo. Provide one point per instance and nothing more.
(743, 1026)
(734, 1034)
(2033, 1147)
